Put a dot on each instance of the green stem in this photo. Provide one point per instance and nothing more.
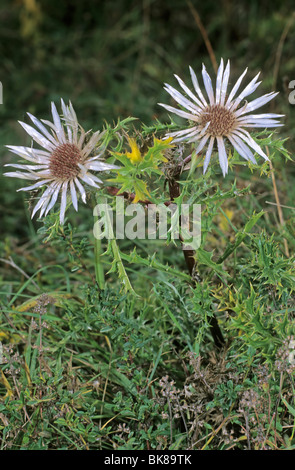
(120, 266)
(113, 249)
(151, 262)
(189, 255)
(99, 271)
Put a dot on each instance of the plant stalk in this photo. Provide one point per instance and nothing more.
(189, 255)
(99, 271)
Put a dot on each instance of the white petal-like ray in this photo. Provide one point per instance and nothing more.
(250, 141)
(81, 189)
(194, 133)
(260, 123)
(55, 193)
(182, 100)
(73, 122)
(259, 116)
(57, 122)
(63, 202)
(247, 91)
(189, 93)
(42, 128)
(73, 113)
(39, 138)
(219, 81)
(241, 148)
(96, 157)
(224, 83)
(45, 204)
(19, 174)
(259, 102)
(197, 87)
(179, 112)
(35, 186)
(81, 139)
(222, 155)
(263, 124)
(27, 167)
(100, 166)
(30, 154)
(95, 178)
(43, 201)
(244, 134)
(208, 85)
(198, 134)
(87, 178)
(235, 89)
(182, 132)
(208, 154)
(90, 146)
(74, 195)
(202, 143)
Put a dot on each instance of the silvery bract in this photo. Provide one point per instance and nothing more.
(64, 164)
(221, 115)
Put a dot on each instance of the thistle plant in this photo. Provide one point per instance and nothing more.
(138, 164)
(138, 284)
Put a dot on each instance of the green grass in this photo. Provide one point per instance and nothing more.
(137, 368)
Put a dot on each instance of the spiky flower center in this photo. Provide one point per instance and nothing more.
(64, 162)
(222, 121)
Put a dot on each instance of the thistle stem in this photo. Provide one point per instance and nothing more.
(99, 271)
(189, 255)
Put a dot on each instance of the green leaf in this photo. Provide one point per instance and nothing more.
(240, 236)
(204, 257)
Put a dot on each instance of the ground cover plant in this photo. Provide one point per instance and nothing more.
(129, 341)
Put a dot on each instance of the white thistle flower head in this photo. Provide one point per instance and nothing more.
(221, 115)
(65, 163)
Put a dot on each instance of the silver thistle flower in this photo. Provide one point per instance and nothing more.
(65, 162)
(220, 116)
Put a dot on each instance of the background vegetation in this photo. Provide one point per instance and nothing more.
(112, 371)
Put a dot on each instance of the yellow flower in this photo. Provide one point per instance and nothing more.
(167, 140)
(134, 155)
